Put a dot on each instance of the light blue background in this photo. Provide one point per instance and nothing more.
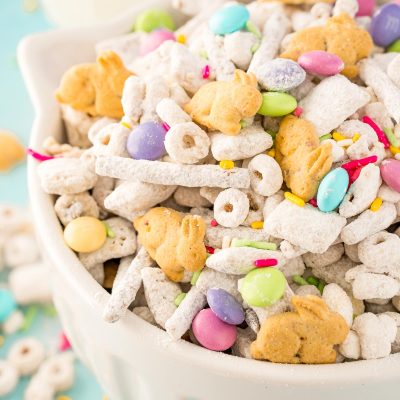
(16, 114)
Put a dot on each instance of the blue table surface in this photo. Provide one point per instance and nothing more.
(16, 115)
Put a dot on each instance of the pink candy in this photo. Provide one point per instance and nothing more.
(320, 62)
(390, 171)
(379, 132)
(266, 262)
(154, 40)
(365, 7)
(211, 332)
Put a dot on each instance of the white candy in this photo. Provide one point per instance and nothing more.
(231, 208)
(338, 301)
(26, 355)
(265, 175)
(19, 249)
(8, 377)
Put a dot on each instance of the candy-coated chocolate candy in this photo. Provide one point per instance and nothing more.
(152, 19)
(365, 7)
(394, 47)
(7, 304)
(85, 234)
(229, 19)
(154, 40)
(385, 25)
(263, 287)
(146, 142)
(390, 171)
(276, 104)
(225, 306)
(212, 333)
(321, 62)
(332, 189)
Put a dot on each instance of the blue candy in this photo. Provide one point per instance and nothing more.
(225, 306)
(229, 19)
(7, 304)
(332, 189)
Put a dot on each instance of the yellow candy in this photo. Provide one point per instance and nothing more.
(376, 204)
(271, 153)
(356, 137)
(395, 150)
(11, 151)
(294, 199)
(85, 234)
(226, 164)
(257, 224)
(181, 39)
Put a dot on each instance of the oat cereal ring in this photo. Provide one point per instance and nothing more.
(71, 206)
(26, 355)
(8, 377)
(39, 389)
(256, 203)
(231, 208)
(187, 143)
(265, 175)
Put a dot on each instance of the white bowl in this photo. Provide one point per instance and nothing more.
(132, 359)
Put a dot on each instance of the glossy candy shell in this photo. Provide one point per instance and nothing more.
(332, 189)
(229, 19)
(225, 306)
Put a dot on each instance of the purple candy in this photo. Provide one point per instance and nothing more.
(146, 142)
(385, 25)
(225, 306)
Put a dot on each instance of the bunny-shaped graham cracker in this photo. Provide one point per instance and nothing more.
(174, 241)
(306, 335)
(95, 89)
(222, 105)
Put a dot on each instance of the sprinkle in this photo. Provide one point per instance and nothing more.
(354, 175)
(255, 47)
(314, 203)
(257, 224)
(206, 72)
(195, 277)
(166, 126)
(253, 29)
(203, 54)
(38, 156)
(30, 315)
(63, 344)
(294, 199)
(266, 262)
(109, 231)
(298, 111)
(299, 280)
(214, 223)
(271, 153)
(251, 243)
(178, 299)
(2, 340)
(376, 204)
(381, 135)
(338, 136)
(210, 250)
(181, 38)
(325, 137)
(321, 286)
(312, 280)
(395, 150)
(356, 137)
(243, 123)
(345, 142)
(391, 137)
(362, 162)
(126, 124)
(226, 164)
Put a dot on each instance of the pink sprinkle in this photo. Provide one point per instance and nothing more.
(379, 132)
(64, 343)
(266, 262)
(362, 162)
(38, 156)
(314, 203)
(214, 223)
(210, 250)
(166, 126)
(298, 111)
(354, 175)
(206, 72)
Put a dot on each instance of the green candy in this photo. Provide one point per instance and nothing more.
(263, 287)
(152, 19)
(394, 47)
(276, 104)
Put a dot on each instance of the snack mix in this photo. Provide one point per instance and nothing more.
(236, 181)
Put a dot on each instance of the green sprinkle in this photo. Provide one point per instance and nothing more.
(253, 29)
(110, 232)
(250, 243)
(30, 315)
(325, 137)
(178, 299)
(49, 311)
(203, 54)
(243, 123)
(255, 47)
(391, 137)
(321, 286)
(299, 280)
(195, 277)
(312, 280)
